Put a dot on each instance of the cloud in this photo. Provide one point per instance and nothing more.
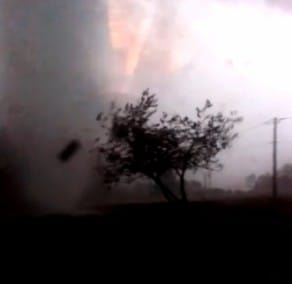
(53, 90)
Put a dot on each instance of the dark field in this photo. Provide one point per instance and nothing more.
(239, 213)
(248, 218)
(238, 242)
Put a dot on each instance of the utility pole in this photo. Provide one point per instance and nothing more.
(275, 181)
(275, 121)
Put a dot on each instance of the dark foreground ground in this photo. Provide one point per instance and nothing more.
(242, 214)
(242, 242)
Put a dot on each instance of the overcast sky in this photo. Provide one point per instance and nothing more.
(236, 53)
(59, 63)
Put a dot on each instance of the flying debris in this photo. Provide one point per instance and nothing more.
(198, 112)
(69, 151)
(208, 103)
(99, 116)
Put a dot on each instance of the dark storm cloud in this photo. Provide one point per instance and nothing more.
(51, 90)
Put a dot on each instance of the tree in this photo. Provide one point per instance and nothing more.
(134, 145)
(251, 181)
(286, 170)
(263, 184)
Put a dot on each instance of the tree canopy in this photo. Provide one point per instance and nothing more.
(133, 144)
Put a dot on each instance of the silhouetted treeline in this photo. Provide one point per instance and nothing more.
(263, 183)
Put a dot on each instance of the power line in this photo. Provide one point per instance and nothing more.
(259, 125)
(279, 119)
(267, 122)
(284, 118)
(251, 128)
(253, 145)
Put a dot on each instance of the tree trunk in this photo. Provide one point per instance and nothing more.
(182, 188)
(166, 192)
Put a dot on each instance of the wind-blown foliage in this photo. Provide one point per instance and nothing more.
(134, 145)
